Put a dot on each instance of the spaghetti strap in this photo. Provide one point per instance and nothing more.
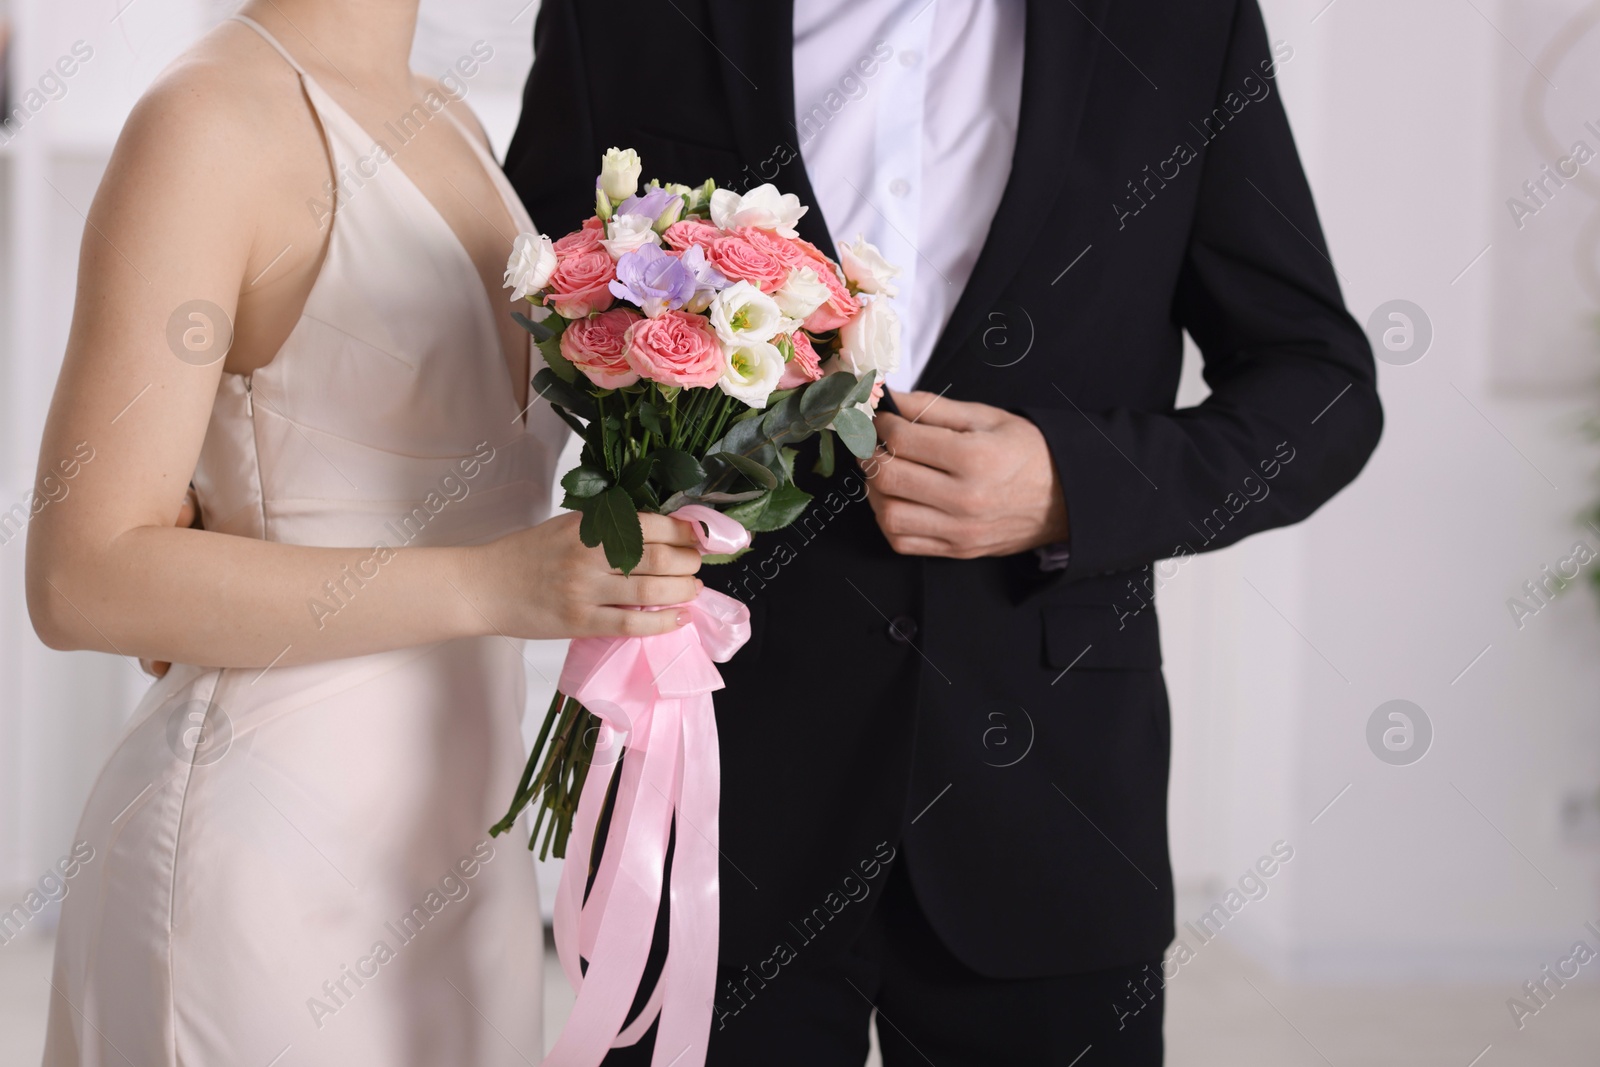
(273, 41)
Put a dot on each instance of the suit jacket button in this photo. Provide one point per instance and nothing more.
(902, 629)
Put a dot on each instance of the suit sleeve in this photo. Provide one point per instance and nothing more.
(553, 158)
(1290, 372)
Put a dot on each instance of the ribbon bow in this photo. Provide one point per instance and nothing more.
(654, 694)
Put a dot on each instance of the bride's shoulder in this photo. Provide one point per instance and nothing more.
(224, 101)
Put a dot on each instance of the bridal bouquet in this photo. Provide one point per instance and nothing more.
(692, 339)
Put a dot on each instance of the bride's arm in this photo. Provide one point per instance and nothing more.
(174, 221)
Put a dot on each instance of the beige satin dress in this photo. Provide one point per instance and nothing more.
(291, 865)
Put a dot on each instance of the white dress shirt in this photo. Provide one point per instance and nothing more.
(906, 113)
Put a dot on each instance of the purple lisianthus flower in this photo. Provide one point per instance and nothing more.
(653, 280)
(707, 279)
(655, 203)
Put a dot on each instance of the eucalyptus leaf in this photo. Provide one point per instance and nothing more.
(540, 331)
(862, 392)
(824, 464)
(827, 394)
(750, 468)
(565, 394)
(855, 430)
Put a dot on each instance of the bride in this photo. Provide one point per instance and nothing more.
(289, 294)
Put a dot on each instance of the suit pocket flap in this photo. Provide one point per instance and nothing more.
(1095, 637)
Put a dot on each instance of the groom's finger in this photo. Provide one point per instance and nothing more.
(933, 446)
(906, 518)
(911, 480)
(932, 409)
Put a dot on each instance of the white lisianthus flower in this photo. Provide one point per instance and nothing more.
(619, 173)
(762, 207)
(865, 266)
(533, 260)
(624, 233)
(754, 368)
(870, 342)
(742, 313)
(802, 294)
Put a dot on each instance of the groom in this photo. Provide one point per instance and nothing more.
(945, 748)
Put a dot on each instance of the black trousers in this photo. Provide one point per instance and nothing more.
(932, 1009)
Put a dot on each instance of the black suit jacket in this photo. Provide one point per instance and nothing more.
(1014, 751)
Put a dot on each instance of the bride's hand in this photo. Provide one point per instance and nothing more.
(543, 582)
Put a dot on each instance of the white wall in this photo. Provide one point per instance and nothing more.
(1408, 117)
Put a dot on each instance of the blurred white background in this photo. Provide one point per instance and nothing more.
(1421, 895)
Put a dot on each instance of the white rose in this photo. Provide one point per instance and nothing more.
(619, 173)
(754, 368)
(624, 233)
(533, 260)
(742, 313)
(802, 294)
(871, 340)
(762, 207)
(865, 265)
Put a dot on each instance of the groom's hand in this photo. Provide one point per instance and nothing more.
(963, 480)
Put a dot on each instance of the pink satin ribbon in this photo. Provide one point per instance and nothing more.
(654, 696)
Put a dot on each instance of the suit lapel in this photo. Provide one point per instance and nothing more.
(756, 42)
(1059, 54)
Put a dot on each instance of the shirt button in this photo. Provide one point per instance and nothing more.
(902, 629)
(900, 187)
(910, 57)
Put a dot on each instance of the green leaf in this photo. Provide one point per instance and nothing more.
(540, 331)
(565, 394)
(784, 422)
(774, 511)
(583, 481)
(750, 468)
(862, 392)
(826, 396)
(677, 469)
(614, 523)
(550, 349)
(855, 430)
(635, 474)
(824, 464)
(649, 418)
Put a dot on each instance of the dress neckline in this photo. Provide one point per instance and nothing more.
(325, 105)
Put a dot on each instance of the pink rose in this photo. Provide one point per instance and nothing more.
(840, 307)
(811, 251)
(598, 347)
(580, 284)
(582, 240)
(681, 236)
(676, 348)
(781, 249)
(742, 261)
(806, 366)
